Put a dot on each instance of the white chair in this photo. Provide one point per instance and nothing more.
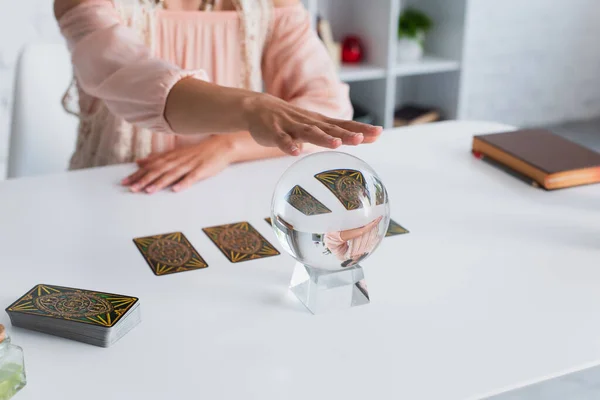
(42, 135)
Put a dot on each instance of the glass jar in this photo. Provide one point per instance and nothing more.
(12, 367)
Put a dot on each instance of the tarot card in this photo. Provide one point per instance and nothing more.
(169, 253)
(348, 185)
(78, 305)
(240, 242)
(304, 202)
(395, 229)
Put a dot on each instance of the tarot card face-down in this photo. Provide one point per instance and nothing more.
(395, 229)
(240, 242)
(88, 307)
(169, 253)
(348, 185)
(304, 202)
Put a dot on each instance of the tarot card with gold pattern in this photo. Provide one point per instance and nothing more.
(87, 316)
(348, 185)
(304, 202)
(395, 228)
(169, 253)
(96, 308)
(240, 242)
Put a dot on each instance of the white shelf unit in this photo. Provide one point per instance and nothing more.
(362, 72)
(381, 84)
(428, 65)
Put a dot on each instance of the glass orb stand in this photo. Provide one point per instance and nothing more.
(323, 290)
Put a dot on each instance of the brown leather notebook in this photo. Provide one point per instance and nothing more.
(549, 160)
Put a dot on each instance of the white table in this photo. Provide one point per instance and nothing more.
(496, 286)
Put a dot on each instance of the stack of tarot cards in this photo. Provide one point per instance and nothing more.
(96, 318)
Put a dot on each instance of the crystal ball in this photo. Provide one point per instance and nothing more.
(330, 210)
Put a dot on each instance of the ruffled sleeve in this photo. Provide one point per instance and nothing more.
(364, 243)
(113, 64)
(297, 68)
(337, 246)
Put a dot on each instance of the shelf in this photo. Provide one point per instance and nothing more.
(427, 65)
(433, 81)
(360, 72)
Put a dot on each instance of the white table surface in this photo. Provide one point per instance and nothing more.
(496, 286)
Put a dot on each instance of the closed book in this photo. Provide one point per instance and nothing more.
(549, 160)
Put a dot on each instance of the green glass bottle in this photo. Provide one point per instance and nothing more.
(12, 367)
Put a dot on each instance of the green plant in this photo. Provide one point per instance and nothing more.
(413, 24)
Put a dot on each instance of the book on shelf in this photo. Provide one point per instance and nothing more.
(412, 114)
(540, 157)
(361, 114)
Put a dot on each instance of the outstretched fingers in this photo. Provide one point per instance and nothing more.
(370, 132)
(287, 144)
(315, 135)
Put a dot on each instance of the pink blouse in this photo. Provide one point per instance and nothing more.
(345, 250)
(123, 85)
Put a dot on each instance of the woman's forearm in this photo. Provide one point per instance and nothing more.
(112, 64)
(356, 232)
(195, 106)
(352, 233)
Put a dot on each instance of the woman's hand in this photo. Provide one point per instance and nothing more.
(181, 167)
(194, 106)
(274, 122)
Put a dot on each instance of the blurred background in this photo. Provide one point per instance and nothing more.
(524, 63)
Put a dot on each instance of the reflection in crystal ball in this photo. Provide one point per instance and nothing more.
(330, 210)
